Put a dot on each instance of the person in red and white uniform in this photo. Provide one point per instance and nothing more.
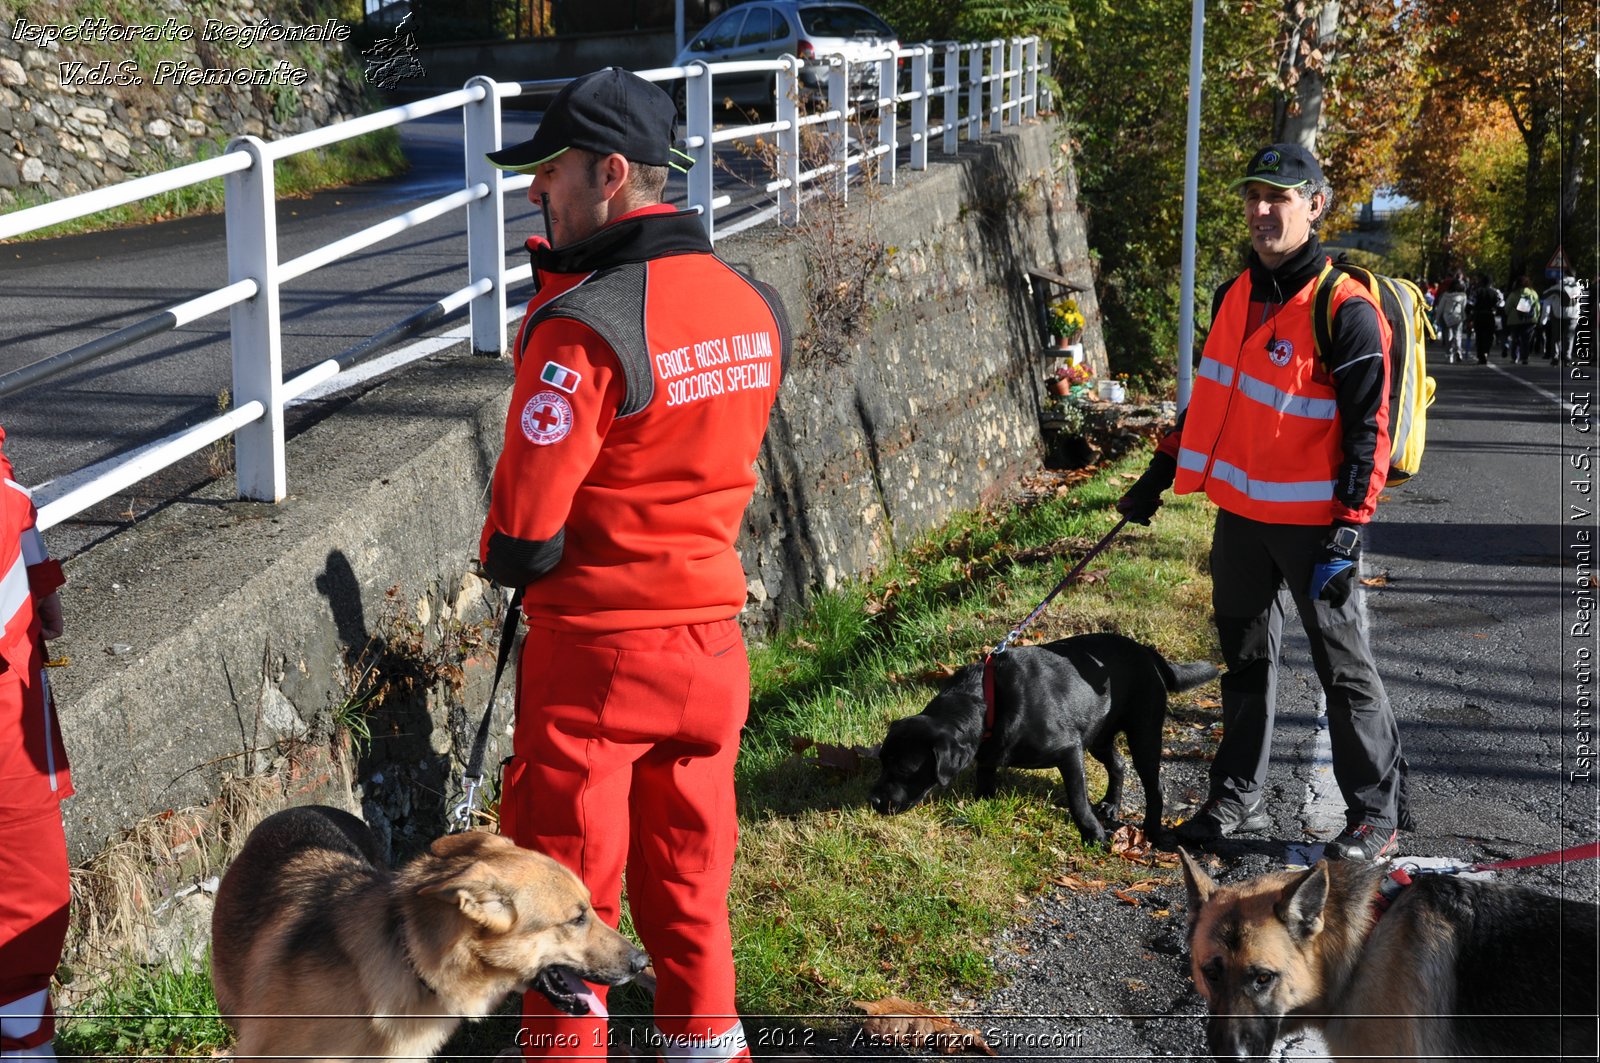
(1293, 448)
(645, 373)
(34, 885)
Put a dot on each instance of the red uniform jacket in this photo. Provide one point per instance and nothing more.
(645, 374)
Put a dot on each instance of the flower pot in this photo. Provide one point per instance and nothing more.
(1112, 391)
(1062, 342)
(1060, 386)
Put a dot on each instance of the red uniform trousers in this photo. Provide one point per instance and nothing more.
(624, 752)
(34, 877)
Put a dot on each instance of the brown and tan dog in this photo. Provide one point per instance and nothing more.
(1454, 968)
(320, 952)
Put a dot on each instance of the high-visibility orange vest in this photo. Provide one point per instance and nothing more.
(1262, 437)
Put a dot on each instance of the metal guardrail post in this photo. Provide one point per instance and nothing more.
(952, 101)
(697, 137)
(888, 116)
(486, 219)
(997, 86)
(788, 139)
(252, 228)
(1045, 56)
(975, 93)
(919, 107)
(1016, 81)
(1030, 78)
(839, 103)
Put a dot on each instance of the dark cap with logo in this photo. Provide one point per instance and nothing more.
(1282, 166)
(610, 111)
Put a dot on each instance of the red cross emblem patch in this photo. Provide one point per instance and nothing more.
(547, 418)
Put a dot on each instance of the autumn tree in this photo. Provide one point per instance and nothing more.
(1535, 60)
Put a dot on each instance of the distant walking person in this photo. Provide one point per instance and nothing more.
(1522, 314)
(34, 888)
(1293, 447)
(1450, 316)
(1487, 304)
(1566, 299)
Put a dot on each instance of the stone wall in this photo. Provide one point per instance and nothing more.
(79, 114)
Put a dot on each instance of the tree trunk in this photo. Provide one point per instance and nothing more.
(1572, 180)
(1535, 130)
(1308, 51)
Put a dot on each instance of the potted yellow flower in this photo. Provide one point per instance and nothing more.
(1065, 321)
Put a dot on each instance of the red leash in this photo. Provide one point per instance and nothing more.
(989, 658)
(1577, 852)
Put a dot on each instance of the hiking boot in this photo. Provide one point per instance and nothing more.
(1220, 818)
(1362, 842)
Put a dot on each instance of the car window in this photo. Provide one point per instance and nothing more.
(828, 21)
(721, 33)
(758, 27)
(780, 26)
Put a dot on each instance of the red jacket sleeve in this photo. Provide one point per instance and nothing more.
(568, 388)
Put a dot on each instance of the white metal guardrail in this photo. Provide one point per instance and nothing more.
(978, 88)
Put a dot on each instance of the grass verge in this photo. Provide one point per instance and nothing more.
(833, 903)
(365, 158)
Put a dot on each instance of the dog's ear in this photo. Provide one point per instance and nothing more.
(478, 897)
(1197, 883)
(1301, 905)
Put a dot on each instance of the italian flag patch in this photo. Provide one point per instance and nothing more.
(559, 376)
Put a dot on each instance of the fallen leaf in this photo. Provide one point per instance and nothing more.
(1078, 885)
(1207, 703)
(1126, 898)
(906, 1024)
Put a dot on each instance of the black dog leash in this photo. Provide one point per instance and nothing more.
(472, 777)
(989, 658)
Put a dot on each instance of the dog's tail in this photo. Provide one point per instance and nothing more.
(1182, 676)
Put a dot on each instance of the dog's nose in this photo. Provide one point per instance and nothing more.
(639, 962)
(878, 802)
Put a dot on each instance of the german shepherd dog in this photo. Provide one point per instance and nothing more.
(1052, 703)
(1455, 968)
(319, 951)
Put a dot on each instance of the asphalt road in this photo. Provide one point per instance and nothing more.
(56, 294)
(1478, 561)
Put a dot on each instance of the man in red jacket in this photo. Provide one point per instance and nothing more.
(645, 373)
(1293, 448)
(34, 887)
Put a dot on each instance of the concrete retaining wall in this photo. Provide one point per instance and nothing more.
(222, 638)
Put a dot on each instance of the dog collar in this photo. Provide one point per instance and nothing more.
(1396, 880)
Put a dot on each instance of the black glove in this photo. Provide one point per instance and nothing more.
(1142, 500)
(1333, 573)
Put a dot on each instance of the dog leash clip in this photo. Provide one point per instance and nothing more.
(461, 816)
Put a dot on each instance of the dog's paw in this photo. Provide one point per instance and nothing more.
(1106, 810)
(1095, 835)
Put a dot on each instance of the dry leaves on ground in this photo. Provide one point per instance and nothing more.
(904, 1024)
(844, 760)
(1130, 843)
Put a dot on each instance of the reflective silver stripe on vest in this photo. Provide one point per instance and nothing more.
(1192, 460)
(13, 591)
(1272, 490)
(1280, 400)
(707, 1049)
(1211, 369)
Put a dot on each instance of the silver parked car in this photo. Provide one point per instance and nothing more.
(810, 30)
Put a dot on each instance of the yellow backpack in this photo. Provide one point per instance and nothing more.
(1410, 386)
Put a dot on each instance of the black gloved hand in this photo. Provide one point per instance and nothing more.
(1142, 500)
(1333, 573)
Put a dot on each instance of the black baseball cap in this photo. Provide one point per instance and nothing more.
(609, 111)
(1282, 166)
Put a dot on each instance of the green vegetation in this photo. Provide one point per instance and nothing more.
(146, 1011)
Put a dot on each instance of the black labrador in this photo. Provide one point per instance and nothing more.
(1052, 702)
